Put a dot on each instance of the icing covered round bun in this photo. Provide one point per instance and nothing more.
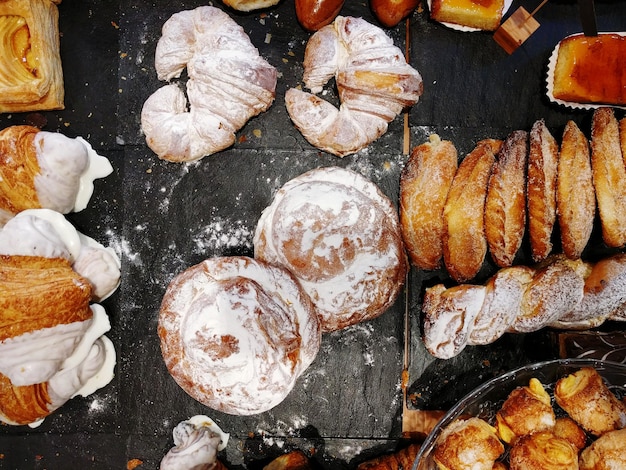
(339, 235)
(236, 333)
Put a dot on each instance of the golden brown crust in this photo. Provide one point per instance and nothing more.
(424, 185)
(32, 75)
(399, 460)
(37, 292)
(606, 453)
(588, 401)
(314, 14)
(566, 428)
(464, 241)
(481, 15)
(575, 200)
(23, 404)
(505, 205)
(18, 168)
(609, 176)
(543, 450)
(543, 157)
(391, 12)
(294, 460)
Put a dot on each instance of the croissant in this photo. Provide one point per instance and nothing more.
(229, 83)
(51, 340)
(398, 460)
(373, 79)
(45, 169)
(31, 74)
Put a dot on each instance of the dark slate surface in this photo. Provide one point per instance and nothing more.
(163, 217)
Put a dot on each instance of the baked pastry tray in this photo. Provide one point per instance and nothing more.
(162, 217)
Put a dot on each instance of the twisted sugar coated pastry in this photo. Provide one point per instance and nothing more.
(373, 79)
(339, 235)
(229, 82)
(46, 169)
(559, 293)
(236, 333)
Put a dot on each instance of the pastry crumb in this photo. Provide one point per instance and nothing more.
(133, 463)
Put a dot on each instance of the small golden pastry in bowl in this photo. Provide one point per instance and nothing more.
(588, 401)
(340, 236)
(236, 333)
(608, 452)
(566, 428)
(543, 450)
(470, 444)
(31, 73)
(424, 185)
(527, 409)
(480, 14)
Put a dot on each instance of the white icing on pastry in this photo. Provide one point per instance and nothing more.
(340, 236)
(236, 333)
(229, 82)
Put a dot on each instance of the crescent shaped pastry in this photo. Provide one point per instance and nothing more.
(229, 83)
(340, 237)
(40, 169)
(373, 79)
(236, 333)
(31, 73)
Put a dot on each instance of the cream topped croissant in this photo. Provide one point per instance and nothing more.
(40, 169)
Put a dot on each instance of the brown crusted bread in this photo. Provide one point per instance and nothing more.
(424, 185)
(464, 241)
(485, 14)
(23, 404)
(579, 58)
(505, 205)
(37, 292)
(399, 460)
(609, 176)
(576, 199)
(543, 157)
(294, 460)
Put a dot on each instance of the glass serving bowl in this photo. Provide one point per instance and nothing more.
(486, 400)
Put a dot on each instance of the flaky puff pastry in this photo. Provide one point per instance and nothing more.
(588, 401)
(568, 429)
(294, 460)
(398, 460)
(543, 450)
(31, 74)
(424, 185)
(608, 452)
(527, 409)
(470, 444)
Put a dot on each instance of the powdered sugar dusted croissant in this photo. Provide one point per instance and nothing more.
(373, 80)
(46, 169)
(43, 232)
(197, 441)
(229, 82)
(51, 339)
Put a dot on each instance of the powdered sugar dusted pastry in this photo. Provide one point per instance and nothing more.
(340, 237)
(373, 79)
(236, 333)
(45, 169)
(229, 83)
(605, 453)
(43, 232)
(196, 443)
(543, 450)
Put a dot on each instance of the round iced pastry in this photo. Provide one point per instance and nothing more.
(236, 333)
(339, 235)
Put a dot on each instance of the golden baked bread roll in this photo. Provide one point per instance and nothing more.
(373, 79)
(340, 236)
(236, 333)
(605, 453)
(566, 428)
(31, 73)
(527, 409)
(588, 401)
(543, 450)
(464, 241)
(424, 184)
(609, 176)
(398, 460)
(315, 14)
(470, 444)
(543, 159)
(229, 83)
(505, 204)
(576, 199)
(391, 12)
(449, 315)
(294, 460)
(471, 13)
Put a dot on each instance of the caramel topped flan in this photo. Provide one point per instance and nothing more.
(479, 14)
(591, 69)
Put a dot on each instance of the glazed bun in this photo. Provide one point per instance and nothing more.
(339, 235)
(237, 333)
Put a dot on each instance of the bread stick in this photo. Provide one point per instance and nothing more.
(424, 185)
(505, 205)
(464, 241)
